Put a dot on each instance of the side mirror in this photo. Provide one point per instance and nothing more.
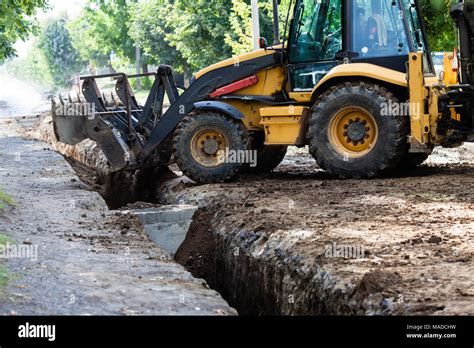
(263, 43)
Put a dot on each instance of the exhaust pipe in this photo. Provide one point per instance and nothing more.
(276, 22)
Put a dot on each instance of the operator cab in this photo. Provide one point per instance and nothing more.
(380, 32)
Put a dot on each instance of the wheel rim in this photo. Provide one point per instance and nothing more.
(208, 147)
(353, 132)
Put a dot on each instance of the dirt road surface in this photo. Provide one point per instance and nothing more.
(406, 243)
(89, 260)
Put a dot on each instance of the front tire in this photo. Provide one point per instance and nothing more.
(350, 137)
(201, 142)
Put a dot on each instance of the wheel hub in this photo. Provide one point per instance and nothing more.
(208, 147)
(211, 146)
(353, 132)
(356, 131)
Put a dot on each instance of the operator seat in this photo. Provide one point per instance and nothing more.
(376, 29)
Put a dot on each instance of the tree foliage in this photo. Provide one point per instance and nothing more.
(190, 35)
(185, 34)
(16, 23)
(439, 24)
(63, 59)
(239, 37)
(86, 44)
(149, 28)
(199, 30)
(106, 22)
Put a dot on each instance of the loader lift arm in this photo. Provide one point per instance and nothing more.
(200, 91)
(133, 137)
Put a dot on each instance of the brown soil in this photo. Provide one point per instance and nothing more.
(197, 253)
(416, 231)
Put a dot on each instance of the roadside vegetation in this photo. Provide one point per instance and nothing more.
(4, 276)
(5, 199)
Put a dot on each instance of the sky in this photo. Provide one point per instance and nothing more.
(71, 7)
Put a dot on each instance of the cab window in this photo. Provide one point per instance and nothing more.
(317, 34)
(377, 29)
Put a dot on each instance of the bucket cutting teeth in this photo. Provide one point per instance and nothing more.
(114, 120)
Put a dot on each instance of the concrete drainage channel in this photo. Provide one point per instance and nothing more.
(167, 226)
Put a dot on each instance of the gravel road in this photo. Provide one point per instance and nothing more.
(85, 259)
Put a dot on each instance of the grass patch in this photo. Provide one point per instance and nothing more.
(4, 240)
(3, 277)
(5, 199)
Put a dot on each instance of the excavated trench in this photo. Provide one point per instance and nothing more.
(251, 285)
(262, 242)
(201, 253)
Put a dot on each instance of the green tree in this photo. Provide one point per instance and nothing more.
(88, 47)
(108, 26)
(439, 24)
(16, 23)
(63, 59)
(199, 30)
(239, 38)
(149, 29)
(185, 34)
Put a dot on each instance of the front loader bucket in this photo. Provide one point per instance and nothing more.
(115, 120)
(70, 130)
(71, 127)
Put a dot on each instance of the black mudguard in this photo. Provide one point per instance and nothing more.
(220, 107)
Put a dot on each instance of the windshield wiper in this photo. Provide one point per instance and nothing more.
(394, 22)
(416, 31)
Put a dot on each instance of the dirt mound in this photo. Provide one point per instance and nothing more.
(377, 281)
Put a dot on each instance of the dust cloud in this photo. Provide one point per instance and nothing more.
(18, 98)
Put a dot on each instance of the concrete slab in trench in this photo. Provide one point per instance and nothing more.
(167, 226)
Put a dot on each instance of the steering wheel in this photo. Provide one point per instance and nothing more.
(333, 41)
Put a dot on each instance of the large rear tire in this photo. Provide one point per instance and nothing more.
(348, 135)
(200, 144)
(268, 157)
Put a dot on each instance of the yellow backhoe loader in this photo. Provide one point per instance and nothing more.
(353, 79)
